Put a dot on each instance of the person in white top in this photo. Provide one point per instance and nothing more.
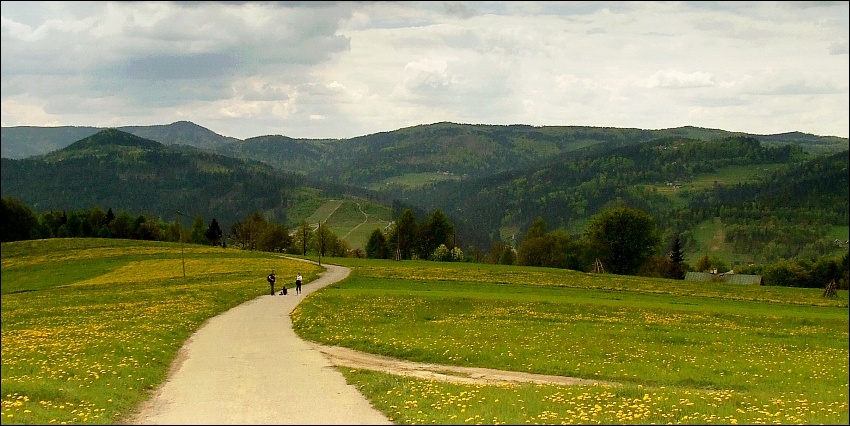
(298, 284)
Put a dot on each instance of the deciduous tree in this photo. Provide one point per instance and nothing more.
(198, 235)
(403, 236)
(376, 246)
(16, 220)
(623, 238)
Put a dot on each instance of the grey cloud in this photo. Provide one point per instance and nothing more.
(460, 10)
(839, 48)
(181, 67)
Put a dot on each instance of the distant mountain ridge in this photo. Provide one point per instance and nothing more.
(27, 141)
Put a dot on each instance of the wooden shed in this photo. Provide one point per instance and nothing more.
(728, 277)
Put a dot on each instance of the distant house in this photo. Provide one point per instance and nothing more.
(728, 277)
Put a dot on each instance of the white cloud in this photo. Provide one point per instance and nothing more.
(679, 79)
(334, 70)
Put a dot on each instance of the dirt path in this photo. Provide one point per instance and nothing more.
(365, 220)
(247, 366)
(470, 375)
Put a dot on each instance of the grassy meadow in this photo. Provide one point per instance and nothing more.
(677, 352)
(414, 180)
(90, 327)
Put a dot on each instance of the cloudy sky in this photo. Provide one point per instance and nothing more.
(340, 70)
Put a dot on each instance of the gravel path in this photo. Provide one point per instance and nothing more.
(247, 366)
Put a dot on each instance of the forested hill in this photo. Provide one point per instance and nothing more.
(449, 151)
(776, 196)
(458, 150)
(117, 170)
(681, 182)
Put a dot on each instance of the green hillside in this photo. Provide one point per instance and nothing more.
(352, 220)
(680, 182)
(491, 181)
(120, 171)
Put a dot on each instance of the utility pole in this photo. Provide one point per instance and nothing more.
(320, 241)
(397, 242)
(180, 231)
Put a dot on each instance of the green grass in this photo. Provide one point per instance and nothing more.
(732, 175)
(417, 401)
(840, 232)
(710, 238)
(90, 327)
(728, 176)
(351, 220)
(304, 206)
(510, 233)
(681, 352)
(712, 242)
(413, 180)
(324, 211)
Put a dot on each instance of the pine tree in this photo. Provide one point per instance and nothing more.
(214, 233)
(677, 270)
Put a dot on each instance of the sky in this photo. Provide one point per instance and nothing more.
(336, 70)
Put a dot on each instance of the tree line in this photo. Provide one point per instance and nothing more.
(255, 232)
(19, 222)
(626, 241)
(620, 240)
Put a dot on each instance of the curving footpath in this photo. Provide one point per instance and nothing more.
(247, 366)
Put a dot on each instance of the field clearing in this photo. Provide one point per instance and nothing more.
(413, 180)
(730, 175)
(711, 236)
(352, 220)
(509, 233)
(840, 232)
(324, 211)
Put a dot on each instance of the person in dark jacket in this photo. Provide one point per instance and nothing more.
(271, 279)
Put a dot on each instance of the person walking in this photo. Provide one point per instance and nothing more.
(271, 279)
(298, 284)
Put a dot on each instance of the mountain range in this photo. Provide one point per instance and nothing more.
(492, 181)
